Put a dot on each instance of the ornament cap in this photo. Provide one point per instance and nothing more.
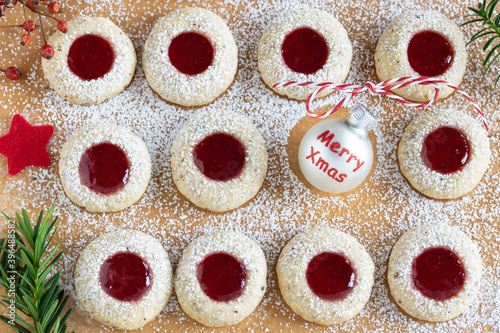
(361, 117)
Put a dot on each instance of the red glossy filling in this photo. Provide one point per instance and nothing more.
(222, 277)
(104, 168)
(191, 53)
(438, 273)
(220, 156)
(430, 53)
(90, 57)
(445, 150)
(125, 276)
(330, 276)
(304, 51)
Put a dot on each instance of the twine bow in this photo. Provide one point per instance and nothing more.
(381, 88)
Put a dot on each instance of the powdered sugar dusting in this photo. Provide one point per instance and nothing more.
(85, 92)
(432, 183)
(293, 267)
(188, 284)
(376, 213)
(139, 171)
(391, 56)
(272, 66)
(218, 196)
(400, 271)
(98, 301)
(177, 87)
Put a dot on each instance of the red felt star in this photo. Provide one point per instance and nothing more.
(25, 145)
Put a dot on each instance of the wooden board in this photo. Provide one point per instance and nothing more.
(376, 213)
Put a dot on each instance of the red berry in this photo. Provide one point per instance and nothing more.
(13, 73)
(25, 39)
(33, 4)
(47, 51)
(62, 26)
(54, 7)
(29, 25)
(9, 3)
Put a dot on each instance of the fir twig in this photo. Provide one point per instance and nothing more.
(25, 264)
(484, 13)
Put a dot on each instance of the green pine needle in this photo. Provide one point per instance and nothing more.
(484, 14)
(26, 261)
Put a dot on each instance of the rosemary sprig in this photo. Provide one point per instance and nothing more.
(25, 264)
(484, 13)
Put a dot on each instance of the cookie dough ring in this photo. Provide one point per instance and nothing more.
(430, 182)
(193, 299)
(292, 266)
(76, 90)
(218, 196)
(399, 274)
(179, 88)
(139, 167)
(108, 310)
(391, 56)
(272, 67)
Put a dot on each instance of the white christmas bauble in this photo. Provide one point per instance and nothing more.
(336, 155)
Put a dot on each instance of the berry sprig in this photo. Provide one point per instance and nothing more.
(12, 73)
(46, 51)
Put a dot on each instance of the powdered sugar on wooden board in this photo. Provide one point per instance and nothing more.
(376, 213)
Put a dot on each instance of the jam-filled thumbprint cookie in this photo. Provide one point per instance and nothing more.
(434, 272)
(218, 160)
(325, 275)
(444, 153)
(221, 278)
(305, 45)
(426, 44)
(93, 61)
(104, 168)
(190, 57)
(123, 279)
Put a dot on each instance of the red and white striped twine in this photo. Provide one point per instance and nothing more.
(381, 88)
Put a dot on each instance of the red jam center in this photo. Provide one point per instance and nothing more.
(104, 168)
(445, 150)
(304, 51)
(438, 273)
(222, 277)
(191, 53)
(90, 57)
(430, 53)
(220, 156)
(125, 276)
(330, 276)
